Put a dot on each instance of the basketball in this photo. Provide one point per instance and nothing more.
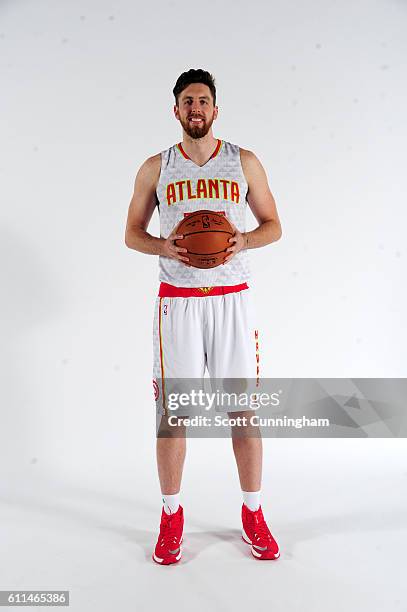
(206, 234)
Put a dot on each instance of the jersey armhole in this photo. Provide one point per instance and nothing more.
(241, 170)
(241, 167)
(157, 203)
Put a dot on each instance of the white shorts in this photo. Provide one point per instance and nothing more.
(217, 332)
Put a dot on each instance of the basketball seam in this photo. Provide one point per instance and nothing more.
(212, 231)
(203, 211)
(206, 254)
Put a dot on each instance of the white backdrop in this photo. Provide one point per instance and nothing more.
(317, 90)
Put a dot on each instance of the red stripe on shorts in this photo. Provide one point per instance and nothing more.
(167, 290)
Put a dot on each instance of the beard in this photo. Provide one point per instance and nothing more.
(196, 131)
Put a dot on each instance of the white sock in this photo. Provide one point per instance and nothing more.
(252, 499)
(171, 503)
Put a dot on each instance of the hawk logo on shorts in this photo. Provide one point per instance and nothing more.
(205, 290)
(156, 389)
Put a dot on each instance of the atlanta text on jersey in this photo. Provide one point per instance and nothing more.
(217, 189)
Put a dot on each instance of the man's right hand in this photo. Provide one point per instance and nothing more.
(173, 251)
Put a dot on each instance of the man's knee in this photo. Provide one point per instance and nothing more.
(171, 429)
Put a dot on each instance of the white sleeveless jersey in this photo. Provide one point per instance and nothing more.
(185, 187)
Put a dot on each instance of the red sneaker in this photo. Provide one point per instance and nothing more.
(168, 547)
(256, 533)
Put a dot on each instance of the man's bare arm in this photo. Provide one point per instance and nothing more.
(261, 202)
(141, 210)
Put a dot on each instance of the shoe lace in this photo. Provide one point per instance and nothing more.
(168, 530)
(261, 531)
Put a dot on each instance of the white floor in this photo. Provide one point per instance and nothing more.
(338, 509)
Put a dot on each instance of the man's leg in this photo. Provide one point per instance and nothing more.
(171, 451)
(171, 448)
(232, 346)
(233, 353)
(176, 322)
(248, 450)
(178, 356)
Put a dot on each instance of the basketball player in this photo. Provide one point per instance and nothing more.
(203, 317)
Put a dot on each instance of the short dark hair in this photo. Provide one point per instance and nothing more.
(194, 76)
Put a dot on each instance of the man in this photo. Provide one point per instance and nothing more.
(203, 317)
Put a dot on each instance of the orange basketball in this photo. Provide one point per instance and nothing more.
(206, 234)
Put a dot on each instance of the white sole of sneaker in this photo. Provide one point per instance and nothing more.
(177, 558)
(161, 561)
(255, 552)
